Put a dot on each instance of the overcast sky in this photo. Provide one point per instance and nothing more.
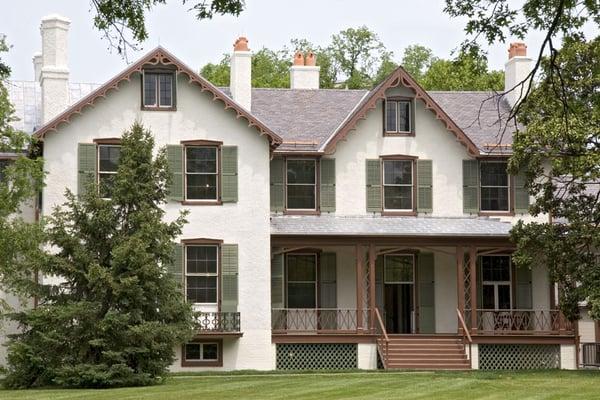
(268, 23)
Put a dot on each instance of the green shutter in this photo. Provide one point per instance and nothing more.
(379, 286)
(277, 184)
(175, 158)
(229, 277)
(425, 274)
(229, 174)
(327, 199)
(373, 179)
(277, 281)
(523, 295)
(328, 281)
(470, 186)
(86, 164)
(521, 195)
(424, 186)
(175, 269)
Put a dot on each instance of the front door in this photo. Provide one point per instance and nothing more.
(399, 272)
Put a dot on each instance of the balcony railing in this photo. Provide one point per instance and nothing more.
(590, 354)
(317, 320)
(217, 322)
(519, 322)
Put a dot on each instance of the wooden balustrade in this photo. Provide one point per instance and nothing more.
(519, 322)
(591, 354)
(315, 320)
(383, 341)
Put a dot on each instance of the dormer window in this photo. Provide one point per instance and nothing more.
(398, 117)
(158, 90)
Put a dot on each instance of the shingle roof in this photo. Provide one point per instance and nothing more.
(388, 226)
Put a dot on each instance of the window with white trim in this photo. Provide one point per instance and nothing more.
(398, 185)
(496, 289)
(201, 173)
(201, 273)
(158, 90)
(202, 351)
(108, 164)
(494, 186)
(301, 180)
(398, 116)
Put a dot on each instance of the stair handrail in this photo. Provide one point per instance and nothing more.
(466, 334)
(385, 338)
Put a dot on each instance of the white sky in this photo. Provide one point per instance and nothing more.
(269, 23)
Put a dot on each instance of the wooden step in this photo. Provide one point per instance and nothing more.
(401, 356)
(436, 367)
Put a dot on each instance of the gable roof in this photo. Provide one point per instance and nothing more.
(154, 57)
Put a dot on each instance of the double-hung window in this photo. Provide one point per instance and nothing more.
(201, 273)
(398, 116)
(496, 287)
(301, 280)
(202, 173)
(158, 90)
(301, 184)
(108, 163)
(494, 187)
(398, 185)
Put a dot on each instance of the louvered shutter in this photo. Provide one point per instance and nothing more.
(425, 275)
(521, 194)
(176, 268)
(523, 294)
(379, 286)
(277, 184)
(470, 186)
(327, 199)
(373, 180)
(175, 159)
(86, 167)
(328, 291)
(424, 186)
(277, 281)
(229, 277)
(229, 174)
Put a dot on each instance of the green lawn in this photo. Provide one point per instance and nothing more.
(359, 385)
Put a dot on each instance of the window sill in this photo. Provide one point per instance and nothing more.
(144, 108)
(301, 212)
(496, 213)
(187, 363)
(398, 213)
(410, 134)
(201, 203)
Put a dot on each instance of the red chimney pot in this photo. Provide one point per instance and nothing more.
(517, 49)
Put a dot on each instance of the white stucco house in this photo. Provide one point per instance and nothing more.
(328, 228)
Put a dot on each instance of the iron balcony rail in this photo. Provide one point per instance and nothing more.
(590, 354)
(217, 322)
(519, 321)
(315, 320)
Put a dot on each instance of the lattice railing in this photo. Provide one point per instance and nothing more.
(314, 319)
(502, 322)
(519, 356)
(228, 322)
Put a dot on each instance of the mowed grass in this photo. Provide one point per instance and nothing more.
(358, 385)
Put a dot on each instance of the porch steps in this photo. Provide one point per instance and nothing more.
(426, 353)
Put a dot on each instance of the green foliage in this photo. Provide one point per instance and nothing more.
(115, 315)
(416, 60)
(560, 150)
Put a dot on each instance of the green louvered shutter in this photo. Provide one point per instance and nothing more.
(277, 281)
(229, 277)
(523, 295)
(425, 276)
(175, 269)
(521, 195)
(424, 186)
(229, 174)
(379, 286)
(175, 158)
(470, 186)
(277, 187)
(328, 291)
(327, 185)
(86, 166)
(373, 179)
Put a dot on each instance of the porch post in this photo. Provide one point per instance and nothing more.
(473, 272)
(359, 287)
(372, 304)
(460, 282)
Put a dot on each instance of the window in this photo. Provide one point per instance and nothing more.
(301, 280)
(494, 186)
(496, 287)
(201, 351)
(3, 164)
(398, 115)
(399, 268)
(201, 272)
(158, 90)
(301, 184)
(201, 173)
(398, 185)
(108, 163)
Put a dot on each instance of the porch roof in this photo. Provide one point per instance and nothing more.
(326, 225)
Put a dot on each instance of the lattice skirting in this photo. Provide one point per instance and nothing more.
(519, 356)
(312, 356)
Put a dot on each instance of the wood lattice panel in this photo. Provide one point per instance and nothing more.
(315, 356)
(519, 356)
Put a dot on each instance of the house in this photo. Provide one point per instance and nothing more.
(327, 228)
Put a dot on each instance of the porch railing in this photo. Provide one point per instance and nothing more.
(315, 320)
(590, 354)
(383, 341)
(507, 322)
(467, 339)
(217, 322)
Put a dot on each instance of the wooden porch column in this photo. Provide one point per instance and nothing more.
(473, 280)
(359, 287)
(460, 282)
(372, 303)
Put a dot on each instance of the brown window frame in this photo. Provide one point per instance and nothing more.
(203, 363)
(511, 190)
(317, 184)
(392, 212)
(157, 106)
(203, 243)
(411, 116)
(202, 143)
(317, 257)
(111, 142)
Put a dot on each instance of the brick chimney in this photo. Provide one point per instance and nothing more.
(516, 70)
(54, 71)
(304, 73)
(240, 81)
